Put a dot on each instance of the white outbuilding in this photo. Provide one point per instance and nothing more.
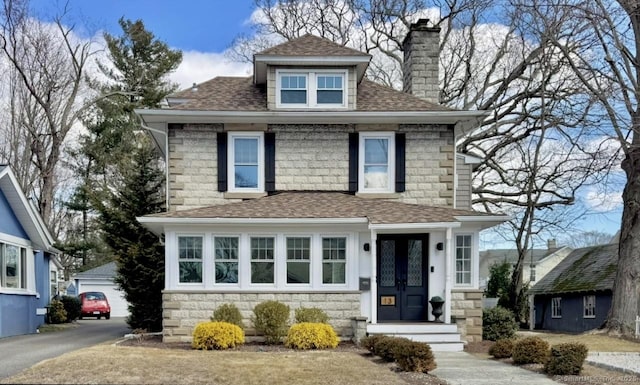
(101, 278)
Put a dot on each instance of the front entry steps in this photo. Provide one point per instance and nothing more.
(441, 337)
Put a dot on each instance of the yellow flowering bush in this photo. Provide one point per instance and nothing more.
(217, 335)
(310, 335)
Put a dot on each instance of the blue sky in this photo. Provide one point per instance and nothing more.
(203, 30)
(200, 25)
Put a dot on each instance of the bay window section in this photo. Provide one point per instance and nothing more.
(190, 259)
(262, 260)
(334, 258)
(226, 259)
(298, 259)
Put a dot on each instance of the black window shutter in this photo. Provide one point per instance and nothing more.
(222, 161)
(353, 162)
(400, 161)
(270, 161)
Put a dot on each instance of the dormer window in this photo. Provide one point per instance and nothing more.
(311, 89)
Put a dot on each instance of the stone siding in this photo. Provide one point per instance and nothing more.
(193, 173)
(312, 157)
(421, 50)
(429, 165)
(183, 310)
(466, 311)
(308, 158)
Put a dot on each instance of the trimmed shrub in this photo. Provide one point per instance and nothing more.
(384, 348)
(310, 335)
(530, 350)
(72, 306)
(566, 359)
(498, 323)
(217, 335)
(502, 348)
(414, 356)
(228, 312)
(369, 342)
(57, 314)
(271, 318)
(311, 314)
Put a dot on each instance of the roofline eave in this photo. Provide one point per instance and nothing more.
(461, 119)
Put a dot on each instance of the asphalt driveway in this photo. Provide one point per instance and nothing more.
(21, 352)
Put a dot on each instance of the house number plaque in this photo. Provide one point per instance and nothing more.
(388, 300)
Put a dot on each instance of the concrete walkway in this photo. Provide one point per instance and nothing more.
(461, 368)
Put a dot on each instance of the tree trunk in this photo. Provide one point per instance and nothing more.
(626, 288)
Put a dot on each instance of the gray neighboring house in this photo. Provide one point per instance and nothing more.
(537, 264)
(576, 295)
(101, 278)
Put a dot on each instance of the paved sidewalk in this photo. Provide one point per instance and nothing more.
(622, 362)
(464, 369)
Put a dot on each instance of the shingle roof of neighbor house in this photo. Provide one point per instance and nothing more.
(586, 269)
(240, 94)
(310, 45)
(511, 255)
(106, 271)
(326, 205)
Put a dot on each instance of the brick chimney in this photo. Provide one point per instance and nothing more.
(421, 49)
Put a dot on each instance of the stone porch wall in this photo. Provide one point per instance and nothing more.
(466, 312)
(183, 310)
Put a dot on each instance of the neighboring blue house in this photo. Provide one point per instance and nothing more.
(576, 295)
(28, 262)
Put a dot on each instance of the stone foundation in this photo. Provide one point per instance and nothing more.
(183, 310)
(466, 312)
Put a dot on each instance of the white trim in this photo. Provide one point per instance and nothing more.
(414, 226)
(481, 218)
(448, 284)
(390, 137)
(374, 276)
(259, 135)
(472, 253)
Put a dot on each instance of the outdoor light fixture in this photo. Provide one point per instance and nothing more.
(365, 247)
(439, 246)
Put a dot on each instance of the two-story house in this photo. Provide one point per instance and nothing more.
(309, 184)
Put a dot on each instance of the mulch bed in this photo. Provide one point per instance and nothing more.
(410, 378)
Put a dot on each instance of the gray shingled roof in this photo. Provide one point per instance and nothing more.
(240, 94)
(586, 269)
(326, 205)
(511, 255)
(106, 271)
(310, 45)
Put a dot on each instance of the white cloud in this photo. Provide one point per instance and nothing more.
(197, 67)
(603, 201)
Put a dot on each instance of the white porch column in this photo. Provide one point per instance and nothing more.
(448, 258)
(374, 274)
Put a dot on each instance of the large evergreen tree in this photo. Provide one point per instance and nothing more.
(126, 172)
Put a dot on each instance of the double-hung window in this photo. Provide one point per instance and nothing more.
(377, 156)
(334, 258)
(556, 308)
(246, 162)
(190, 259)
(463, 259)
(589, 302)
(262, 260)
(298, 259)
(311, 89)
(226, 259)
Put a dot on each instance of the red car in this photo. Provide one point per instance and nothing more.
(94, 304)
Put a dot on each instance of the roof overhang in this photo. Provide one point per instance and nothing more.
(157, 224)
(25, 212)
(261, 62)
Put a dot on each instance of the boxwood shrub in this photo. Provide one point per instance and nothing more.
(228, 312)
(498, 323)
(566, 359)
(530, 350)
(311, 314)
(271, 318)
(502, 348)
